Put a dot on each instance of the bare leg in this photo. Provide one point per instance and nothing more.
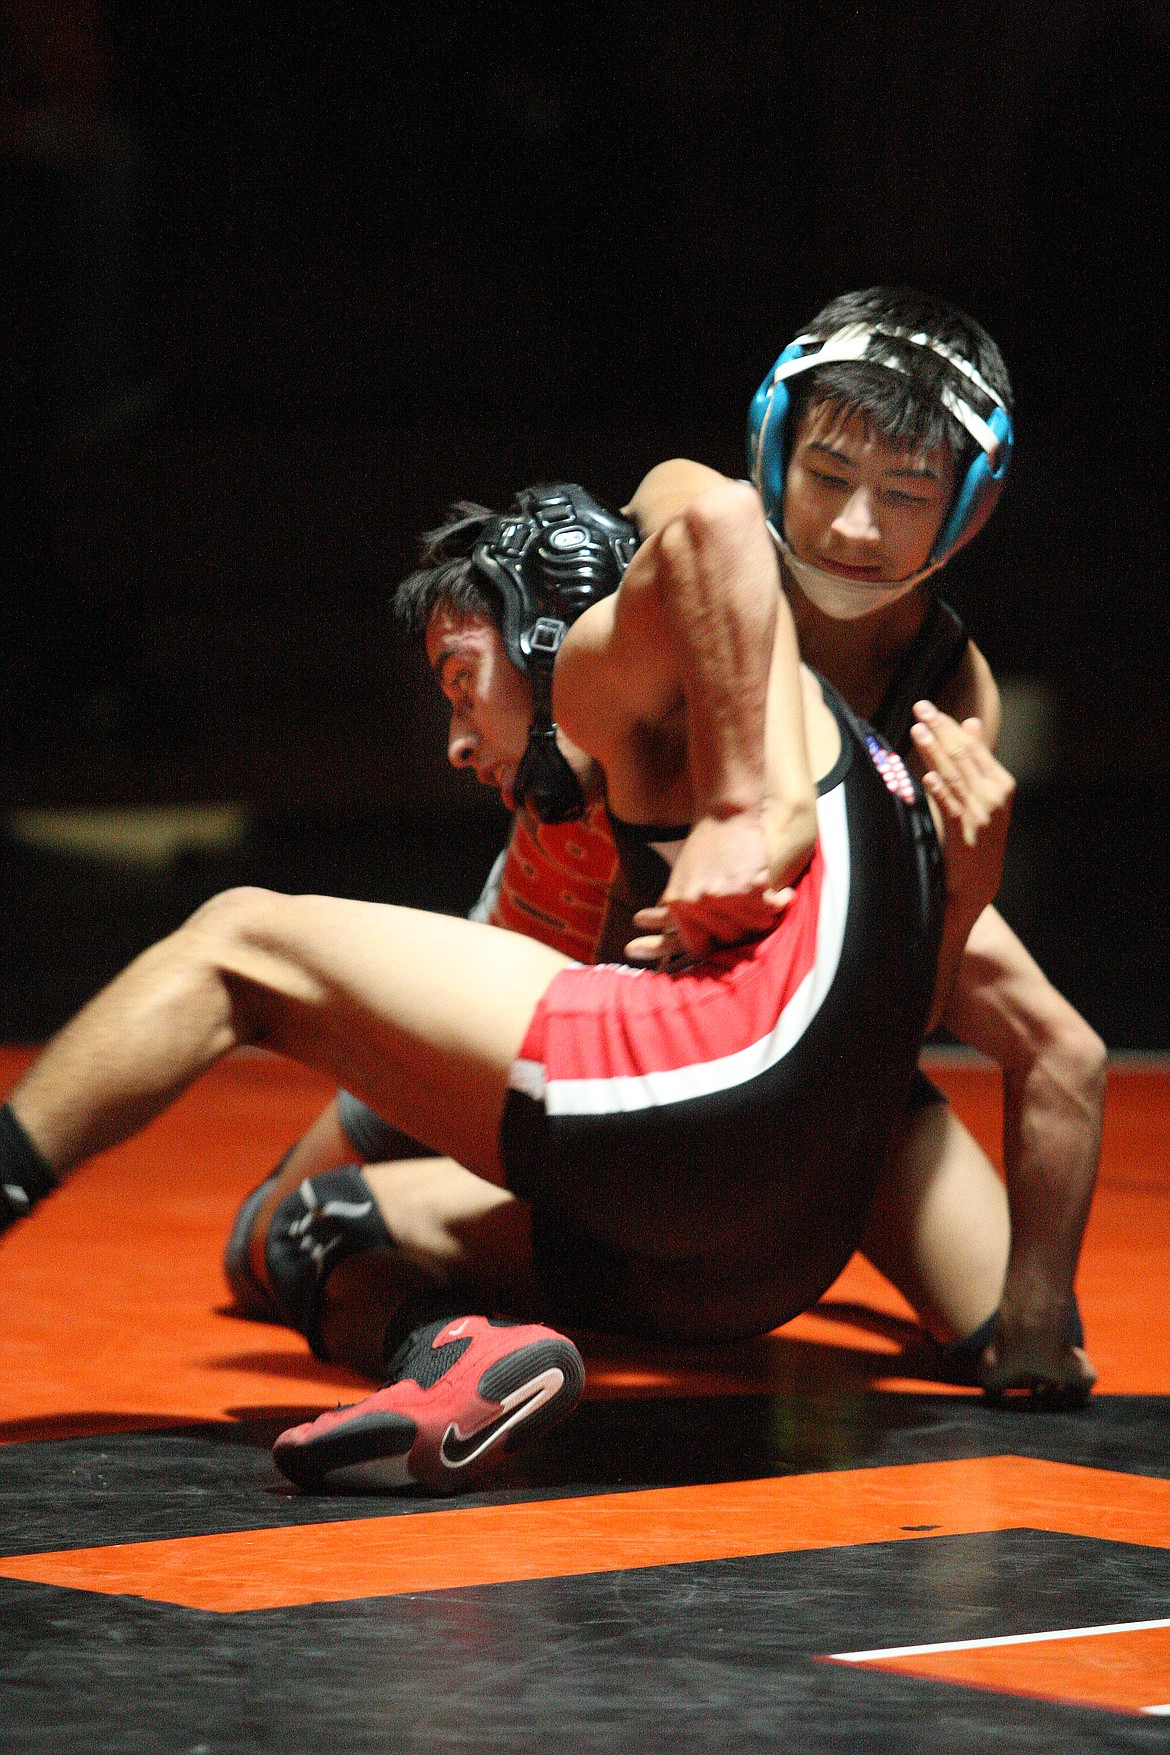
(420, 1014)
(940, 1229)
(449, 1233)
(453, 1233)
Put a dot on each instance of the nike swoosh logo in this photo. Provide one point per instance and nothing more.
(459, 1326)
(459, 1448)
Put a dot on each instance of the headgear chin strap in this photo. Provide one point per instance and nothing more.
(845, 600)
(553, 555)
(769, 443)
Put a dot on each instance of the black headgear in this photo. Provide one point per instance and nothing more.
(555, 553)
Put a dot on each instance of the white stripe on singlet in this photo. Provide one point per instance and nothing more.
(625, 1092)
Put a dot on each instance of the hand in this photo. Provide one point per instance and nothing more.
(973, 792)
(669, 932)
(719, 893)
(1029, 1360)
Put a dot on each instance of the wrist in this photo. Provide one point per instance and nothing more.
(1036, 1296)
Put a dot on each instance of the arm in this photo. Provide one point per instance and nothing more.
(971, 795)
(972, 693)
(662, 494)
(1054, 1092)
(673, 685)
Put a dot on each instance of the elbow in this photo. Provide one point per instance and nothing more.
(718, 519)
(1087, 1060)
(1072, 1068)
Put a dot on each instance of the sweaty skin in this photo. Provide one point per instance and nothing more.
(1001, 1004)
(421, 1014)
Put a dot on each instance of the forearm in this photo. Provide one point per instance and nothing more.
(686, 689)
(1054, 1089)
(720, 599)
(790, 796)
(958, 922)
(1051, 1145)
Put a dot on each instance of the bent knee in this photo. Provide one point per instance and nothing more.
(244, 936)
(232, 916)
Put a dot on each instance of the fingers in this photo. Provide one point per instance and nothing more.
(679, 933)
(961, 773)
(652, 919)
(1042, 1394)
(649, 949)
(956, 749)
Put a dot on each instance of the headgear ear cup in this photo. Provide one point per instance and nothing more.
(557, 552)
(767, 432)
(975, 500)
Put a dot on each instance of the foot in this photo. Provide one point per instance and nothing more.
(976, 1360)
(463, 1393)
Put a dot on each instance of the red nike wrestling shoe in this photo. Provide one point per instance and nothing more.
(463, 1392)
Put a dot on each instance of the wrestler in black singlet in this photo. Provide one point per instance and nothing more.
(724, 1214)
(928, 665)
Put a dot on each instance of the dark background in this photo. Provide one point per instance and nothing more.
(287, 279)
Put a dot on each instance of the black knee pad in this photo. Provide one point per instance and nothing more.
(320, 1224)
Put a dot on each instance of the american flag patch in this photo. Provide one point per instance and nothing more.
(892, 769)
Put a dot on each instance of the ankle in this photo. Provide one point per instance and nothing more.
(25, 1178)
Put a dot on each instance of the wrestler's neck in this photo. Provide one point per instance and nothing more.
(859, 657)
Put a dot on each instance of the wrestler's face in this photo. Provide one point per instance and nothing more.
(491, 701)
(861, 505)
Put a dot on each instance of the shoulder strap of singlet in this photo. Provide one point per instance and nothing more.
(912, 810)
(850, 728)
(645, 834)
(930, 662)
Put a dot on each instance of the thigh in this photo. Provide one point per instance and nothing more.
(420, 1014)
(939, 1228)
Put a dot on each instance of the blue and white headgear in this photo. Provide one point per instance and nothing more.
(770, 434)
(553, 555)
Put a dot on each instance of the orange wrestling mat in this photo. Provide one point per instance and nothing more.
(116, 1314)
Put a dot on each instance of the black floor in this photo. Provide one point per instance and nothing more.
(723, 1655)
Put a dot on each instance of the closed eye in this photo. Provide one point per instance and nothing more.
(897, 497)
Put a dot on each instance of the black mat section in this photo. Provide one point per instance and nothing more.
(719, 1656)
(722, 1655)
(87, 1492)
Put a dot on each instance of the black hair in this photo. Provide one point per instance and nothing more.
(448, 574)
(905, 406)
